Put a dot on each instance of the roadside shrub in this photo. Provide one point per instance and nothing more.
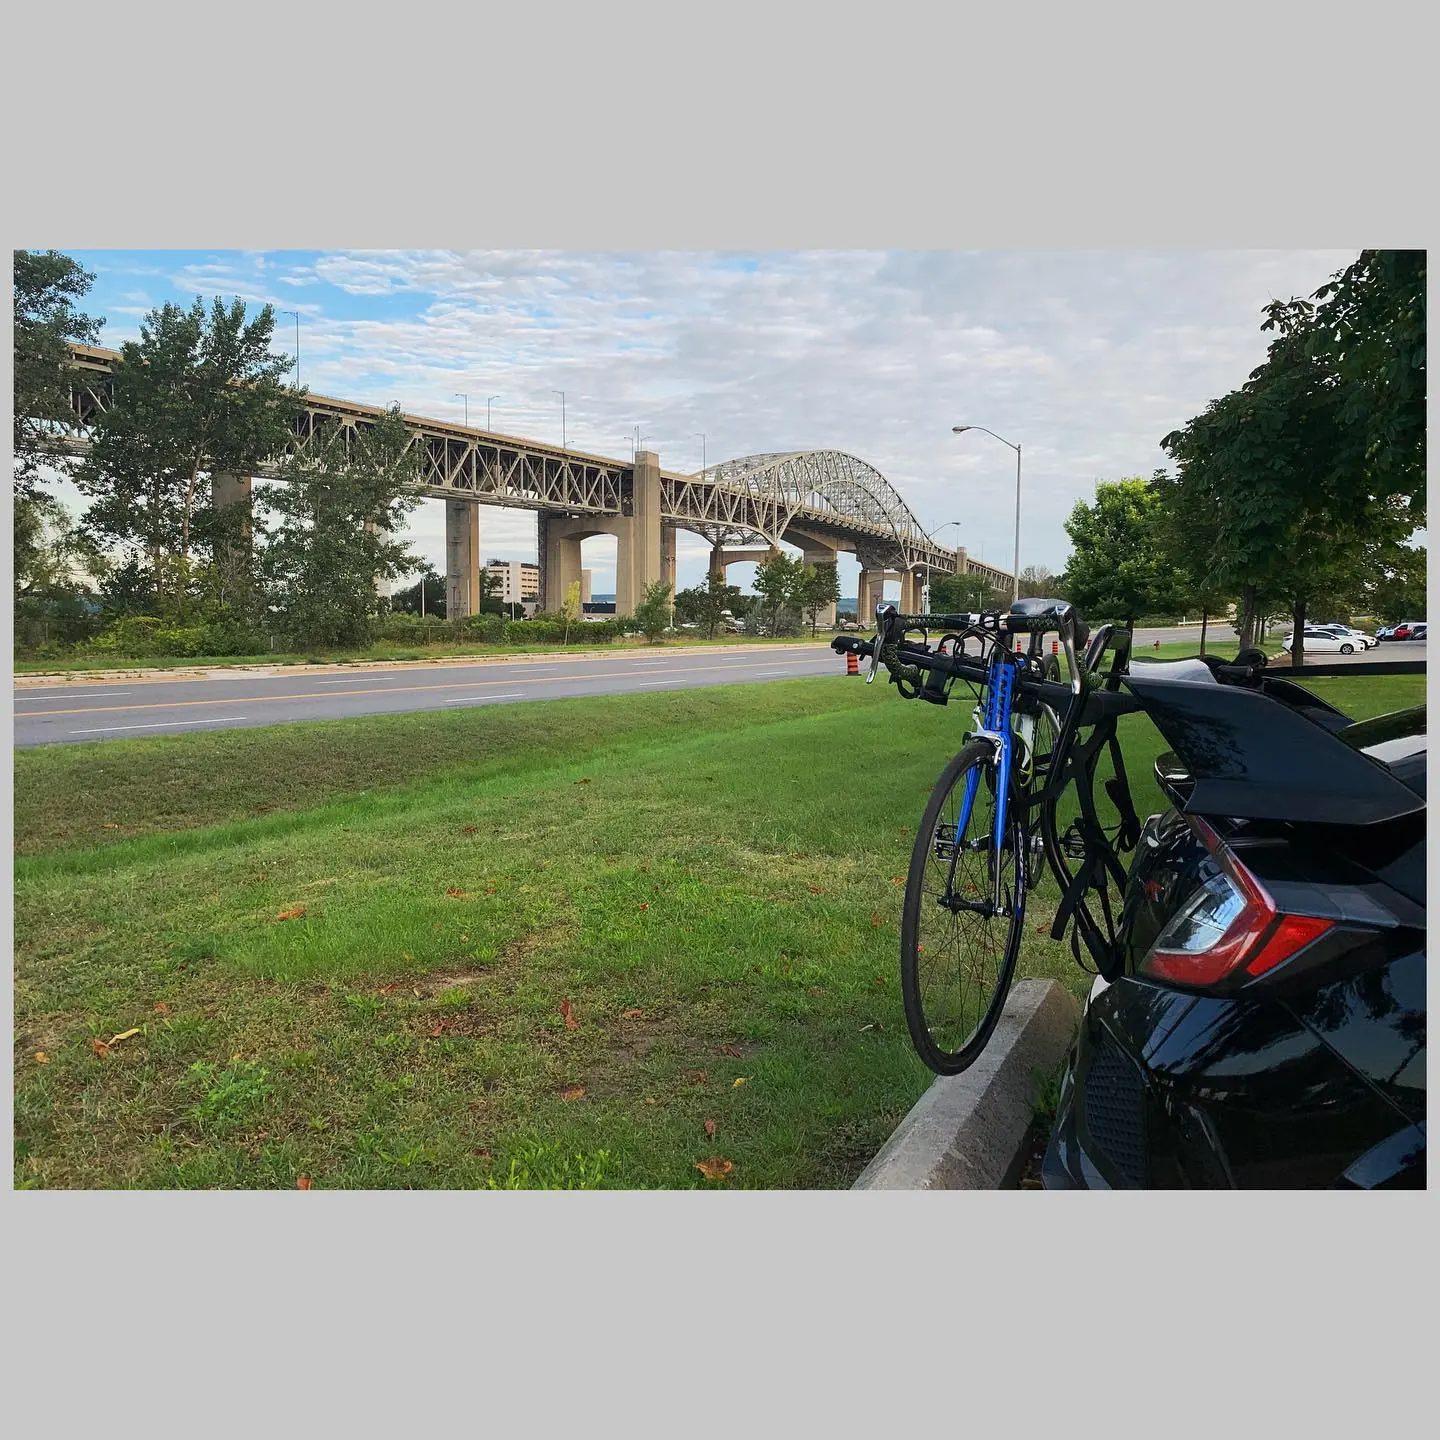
(231, 637)
(487, 629)
(550, 630)
(143, 637)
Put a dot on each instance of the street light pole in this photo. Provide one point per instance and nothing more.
(488, 399)
(701, 434)
(960, 430)
(296, 314)
(461, 395)
(561, 394)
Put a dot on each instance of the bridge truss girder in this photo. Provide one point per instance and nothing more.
(754, 499)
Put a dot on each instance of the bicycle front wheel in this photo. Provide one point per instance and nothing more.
(964, 914)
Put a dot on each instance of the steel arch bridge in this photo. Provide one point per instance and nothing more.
(828, 497)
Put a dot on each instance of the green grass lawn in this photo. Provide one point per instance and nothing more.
(571, 943)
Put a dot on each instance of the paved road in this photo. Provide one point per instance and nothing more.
(79, 710)
(74, 711)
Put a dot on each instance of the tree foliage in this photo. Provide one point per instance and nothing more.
(431, 585)
(1287, 467)
(816, 588)
(964, 593)
(198, 394)
(1118, 569)
(652, 614)
(46, 286)
(333, 542)
(707, 604)
(1396, 589)
(1369, 334)
(1039, 581)
(778, 579)
(58, 571)
(571, 607)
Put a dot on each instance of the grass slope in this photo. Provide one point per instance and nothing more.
(534, 946)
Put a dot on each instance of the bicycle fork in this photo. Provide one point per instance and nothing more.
(995, 728)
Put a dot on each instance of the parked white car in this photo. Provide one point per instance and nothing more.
(1349, 631)
(1323, 642)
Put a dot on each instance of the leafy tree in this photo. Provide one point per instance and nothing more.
(1285, 474)
(57, 571)
(964, 593)
(425, 597)
(1188, 533)
(333, 543)
(1396, 590)
(818, 586)
(46, 285)
(1369, 334)
(778, 579)
(571, 608)
(652, 614)
(1117, 568)
(706, 604)
(198, 394)
(1038, 581)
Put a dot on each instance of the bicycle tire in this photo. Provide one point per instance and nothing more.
(972, 946)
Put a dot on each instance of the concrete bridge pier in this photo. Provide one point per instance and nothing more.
(637, 530)
(233, 557)
(462, 558)
(871, 592)
(912, 584)
(667, 557)
(817, 553)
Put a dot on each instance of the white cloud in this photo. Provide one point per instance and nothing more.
(1084, 358)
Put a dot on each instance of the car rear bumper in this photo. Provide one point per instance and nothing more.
(1167, 1088)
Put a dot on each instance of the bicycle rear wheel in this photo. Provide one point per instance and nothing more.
(957, 951)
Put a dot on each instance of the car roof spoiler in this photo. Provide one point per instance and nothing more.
(1254, 757)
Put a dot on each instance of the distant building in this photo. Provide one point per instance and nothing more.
(519, 581)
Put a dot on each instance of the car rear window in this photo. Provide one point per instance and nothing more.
(1396, 741)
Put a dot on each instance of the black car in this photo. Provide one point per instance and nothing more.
(1262, 1023)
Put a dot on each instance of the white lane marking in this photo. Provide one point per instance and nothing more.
(349, 680)
(471, 699)
(159, 725)
(655, 684)
(72, 694)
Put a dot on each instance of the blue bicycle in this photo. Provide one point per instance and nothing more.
(977, 854)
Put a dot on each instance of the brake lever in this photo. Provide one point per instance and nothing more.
(883, 615)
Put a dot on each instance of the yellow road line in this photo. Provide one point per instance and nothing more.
(384, 690)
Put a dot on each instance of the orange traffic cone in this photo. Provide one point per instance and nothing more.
(852, 665)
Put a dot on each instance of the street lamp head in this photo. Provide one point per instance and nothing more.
(960, 429)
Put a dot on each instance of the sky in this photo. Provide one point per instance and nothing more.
(1085, 359)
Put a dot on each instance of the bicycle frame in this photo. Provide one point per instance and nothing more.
(995, 726)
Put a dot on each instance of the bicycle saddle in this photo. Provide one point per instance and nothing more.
(1038, 614)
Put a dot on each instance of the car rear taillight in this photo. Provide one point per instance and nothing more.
(1230, 928)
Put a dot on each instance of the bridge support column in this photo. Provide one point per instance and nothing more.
(234, 554)
(383, 587)
(561, 566)
(911, 585)
(818, 555)
(462, 558)
(637, 559)
(667, 557)
(872, 591)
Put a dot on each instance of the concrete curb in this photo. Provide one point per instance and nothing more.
(967, 1131)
